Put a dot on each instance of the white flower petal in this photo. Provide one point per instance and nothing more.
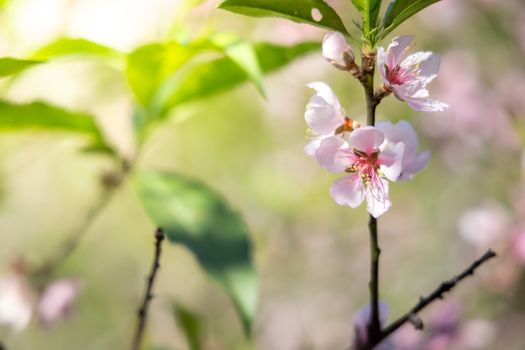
(397, 50)
(366, 139)
(348, 191)
(414, 164)
(328, 155)
(377, 201)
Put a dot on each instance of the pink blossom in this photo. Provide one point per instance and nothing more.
(363, 160)
(485, 226)
(408, 76)
(337, 51)
(57, 301)
(362, 319)
(325, 117)
(518, 247)
(371, 155)
(16, 301)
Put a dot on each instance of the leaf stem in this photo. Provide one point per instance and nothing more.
(143, 310)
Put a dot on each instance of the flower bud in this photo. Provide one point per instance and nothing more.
(337, 51)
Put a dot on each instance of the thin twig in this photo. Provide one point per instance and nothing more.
(143, 310)
(74, 238)
(374, 325)
(438, 293)
(72, 242)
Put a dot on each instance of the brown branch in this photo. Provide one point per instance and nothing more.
(143, 310)
(438, 293)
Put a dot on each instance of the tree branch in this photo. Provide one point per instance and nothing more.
(438, 293)
(143, 310)
(367, 80)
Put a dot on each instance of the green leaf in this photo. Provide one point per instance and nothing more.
(222, 74)
(150, 65)
(400, 10)
(190, 324)
(10, 66)
(369, 10)
(80, 47)
(200, 219)
(41, 116)
(304, 11)
(243, 54)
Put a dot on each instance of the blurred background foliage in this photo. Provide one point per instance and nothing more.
(113, 86)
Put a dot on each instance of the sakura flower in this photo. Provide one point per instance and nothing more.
(366, 165)
(408, 76)
(337, 51)
(16, 301)
(325, 117)
(361, 320)
(403, 133)
(57, 301)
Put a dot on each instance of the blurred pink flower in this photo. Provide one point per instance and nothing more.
(473, 107)
(518, 247)
(361, 319)
(57, 301)
(16, 301)
(485, 225)
(337, 51)
(408, 76)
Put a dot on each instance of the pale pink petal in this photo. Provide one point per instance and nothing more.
(366, 139)
(328, 154)
(400, 132)
(429, 68)
(336, 50)
(325, 92)
(348, 191)
(396, 51)
(313, 145)
(323, 112)
(391, 161)
(381, 61)
(377, 201)
(414, 164)
(427, 105)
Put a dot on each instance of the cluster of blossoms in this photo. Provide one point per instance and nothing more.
(371, 155)
(20, 301)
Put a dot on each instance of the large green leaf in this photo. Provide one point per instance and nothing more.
(400, 10)
(369, 10)
(314, 12)
(42, 116)
(10, 66)
(200, 219)
(69, 46)
(221, 74)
